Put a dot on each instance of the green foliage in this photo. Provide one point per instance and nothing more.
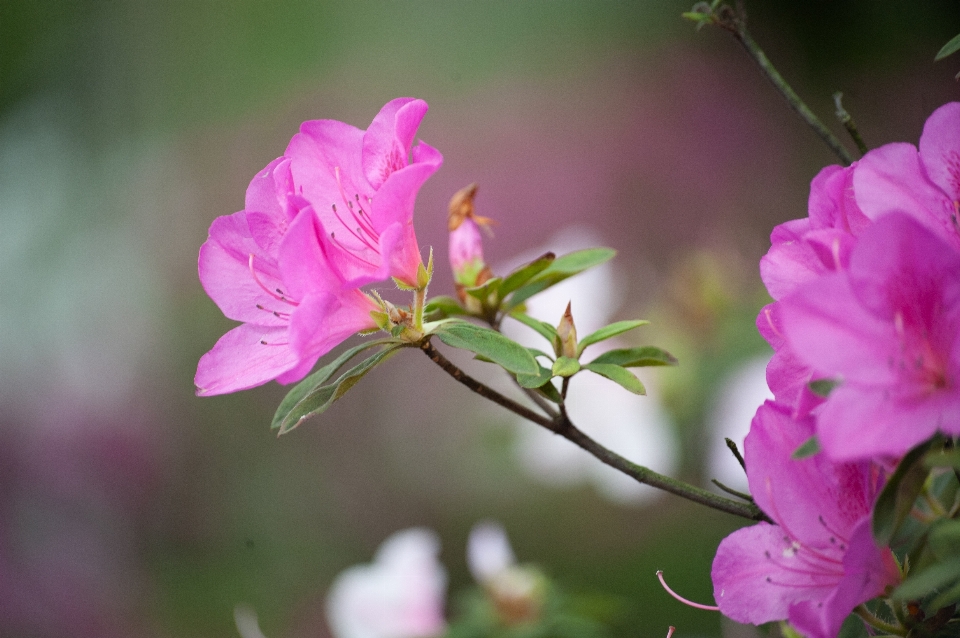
(823, 387)
(558, 270)
(807, 449)
(313, 395)
(640, 357)
(897, 498)
(565, 367)
(609, 331)
(488, 343)
(949, 48)
(617, 374)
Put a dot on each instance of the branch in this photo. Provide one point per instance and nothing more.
(727, 19)
(564, 427)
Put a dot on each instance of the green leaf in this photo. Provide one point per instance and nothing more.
(949, 48)
(642, 357)
(920, 583)
(310, 399)
(535, 380)
(898, 495)
(565, 367)
(943, 458)
(525, 273)
(488, 343)
(443, 306)
(823, 387)
(483, 291)
(607, 332)
(561, 268)
(807, 449)
(549, 391)
(545, 330)
(618, 374)
(944, 539)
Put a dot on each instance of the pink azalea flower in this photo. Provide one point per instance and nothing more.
(288, 323)
(889, 328)
(924, 184)
(363, 187)
(819, 561)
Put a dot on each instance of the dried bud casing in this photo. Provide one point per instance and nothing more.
(566, 343)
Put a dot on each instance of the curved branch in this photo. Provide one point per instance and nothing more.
(563, 426)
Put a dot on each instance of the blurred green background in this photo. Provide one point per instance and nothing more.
(129, 507)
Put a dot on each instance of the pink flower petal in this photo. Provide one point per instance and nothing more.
(240, 360)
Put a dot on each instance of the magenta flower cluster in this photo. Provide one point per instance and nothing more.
(334, 213)
(867, 301)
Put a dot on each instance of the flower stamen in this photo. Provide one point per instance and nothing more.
(682, 599)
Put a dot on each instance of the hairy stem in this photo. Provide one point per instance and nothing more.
(878, 623)
(563, 426)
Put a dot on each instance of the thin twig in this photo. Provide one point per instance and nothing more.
(564, 427)
(847, 120)
(736, 452)
(730, 490)
(730, 20)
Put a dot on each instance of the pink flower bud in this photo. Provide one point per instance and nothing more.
(466, 243)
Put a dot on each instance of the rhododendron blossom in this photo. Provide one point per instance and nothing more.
(334, 213)
(363, 186)
(241, 268)
(889, 329)
(819, 561)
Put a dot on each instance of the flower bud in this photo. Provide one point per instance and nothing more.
(566, 342)
(466, 243)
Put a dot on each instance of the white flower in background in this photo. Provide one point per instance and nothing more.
(636, 427)
(744, 390)
(399, 595)
(516, 591)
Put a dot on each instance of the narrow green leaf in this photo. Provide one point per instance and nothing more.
(947, 597)
(535, 380)
(618, 374)
(524, 273)
(320, 377)
(565, 367)
(943, 458)
(483, 291)
(561, 268)
(316, 399)
(949, 48)
(443, 306)
(488, 343)
(944, 539)
(807, 449)
(642, 357)
(898, 495)
(607, 332)
(920, 583)
(545, 330)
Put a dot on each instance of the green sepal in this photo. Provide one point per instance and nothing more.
(934, 577)
(543, 328)
(565, 367)
(424, 275)
(823, 387)
(942, 458)
(607, 332)
(640, 357)
(382, 320)
(806, 449)
(311, 396)
(898, 495)
(561, 268)
(949, 48)
(443, 306)
(525, 273)
(402, 285)
(617, 374)
(506, 353)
